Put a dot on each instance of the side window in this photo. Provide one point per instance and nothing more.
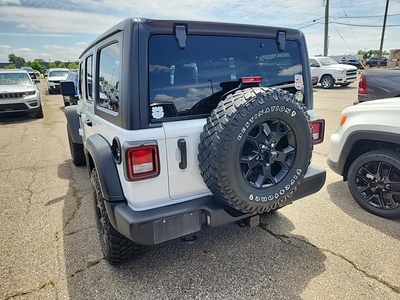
(313, 62)
(89, 78)
(109, 77)
(80, 79)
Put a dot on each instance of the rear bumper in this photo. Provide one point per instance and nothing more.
(166, 223)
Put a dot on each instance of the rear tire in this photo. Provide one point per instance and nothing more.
(77, 152)
(255, 149)
(116, 248)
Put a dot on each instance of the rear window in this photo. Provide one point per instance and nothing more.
(190, 82)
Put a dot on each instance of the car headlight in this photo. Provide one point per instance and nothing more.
(29, 93)
(341, 72)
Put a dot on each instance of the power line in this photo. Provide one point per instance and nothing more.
(364, 25)
(362, 17)
(358, 46)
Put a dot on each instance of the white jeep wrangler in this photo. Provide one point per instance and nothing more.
(186, 125)
(365, 150)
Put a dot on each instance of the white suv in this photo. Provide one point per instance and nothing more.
(189, 125)
(330, 72)
(54, 77)
(19, 94)
(365, 150)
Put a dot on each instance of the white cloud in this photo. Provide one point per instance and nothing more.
(51, 52)
(34, 34)
(5, 2)
(81, 43)
(61, 21)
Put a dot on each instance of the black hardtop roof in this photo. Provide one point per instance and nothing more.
(208, 27)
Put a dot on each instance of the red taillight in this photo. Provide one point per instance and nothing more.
(253, 79)
(318, 130)
(362, 85)
(142, 162)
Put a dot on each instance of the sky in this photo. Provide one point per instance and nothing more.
(61, 30)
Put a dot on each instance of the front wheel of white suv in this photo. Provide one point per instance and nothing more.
(374, 182)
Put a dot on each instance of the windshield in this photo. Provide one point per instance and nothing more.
(327, 61)
(27, 69)
(14, 79)
(59, 73)
(191, 81)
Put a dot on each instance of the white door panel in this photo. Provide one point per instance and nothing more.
(188, 182)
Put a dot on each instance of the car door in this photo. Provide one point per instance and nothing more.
(315, 68)
(182, 140)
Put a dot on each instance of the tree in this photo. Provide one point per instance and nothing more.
(13, 59)
(370, 53)
(73, 65)
(36, 65)
(57, 62)
(27, 64)
(52, 65)
(61, 65)
(10, 66)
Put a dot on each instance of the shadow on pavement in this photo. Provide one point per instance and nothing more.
(229, 262)
(340, 195)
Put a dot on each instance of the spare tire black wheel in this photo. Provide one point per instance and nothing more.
(255, 149)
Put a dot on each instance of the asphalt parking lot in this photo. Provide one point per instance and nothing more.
(321, 247)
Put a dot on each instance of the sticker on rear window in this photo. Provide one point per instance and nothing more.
(157, 112)
(298, 81)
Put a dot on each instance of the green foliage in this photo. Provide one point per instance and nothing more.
(10, 66)
(13, 59)
(370, 53)
(36, 65)
(73, 65)
(52, 65)
(27, 64)
(57, 62)
(61, 65)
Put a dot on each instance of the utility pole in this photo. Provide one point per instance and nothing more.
(327, 27)
(383, 33)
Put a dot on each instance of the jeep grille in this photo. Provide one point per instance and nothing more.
(10, 95)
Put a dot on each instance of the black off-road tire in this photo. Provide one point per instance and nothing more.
(375, 189)
(116, 248)
(327, 81)
(77, 151)
(234, 128)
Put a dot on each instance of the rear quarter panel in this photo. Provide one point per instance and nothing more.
(381, 84)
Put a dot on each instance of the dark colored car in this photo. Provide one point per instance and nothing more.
(32, 73)
(354, 62)
(373, 61)
(379, 84)
(72, 100)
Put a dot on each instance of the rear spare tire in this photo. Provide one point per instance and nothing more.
(255, 149)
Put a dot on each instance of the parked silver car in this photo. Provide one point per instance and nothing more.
(18, 93)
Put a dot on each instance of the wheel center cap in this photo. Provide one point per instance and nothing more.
(380, 185)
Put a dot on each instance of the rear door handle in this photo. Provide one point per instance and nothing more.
(182, 148)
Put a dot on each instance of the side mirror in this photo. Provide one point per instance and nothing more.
(36, 81)
(67, 88)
